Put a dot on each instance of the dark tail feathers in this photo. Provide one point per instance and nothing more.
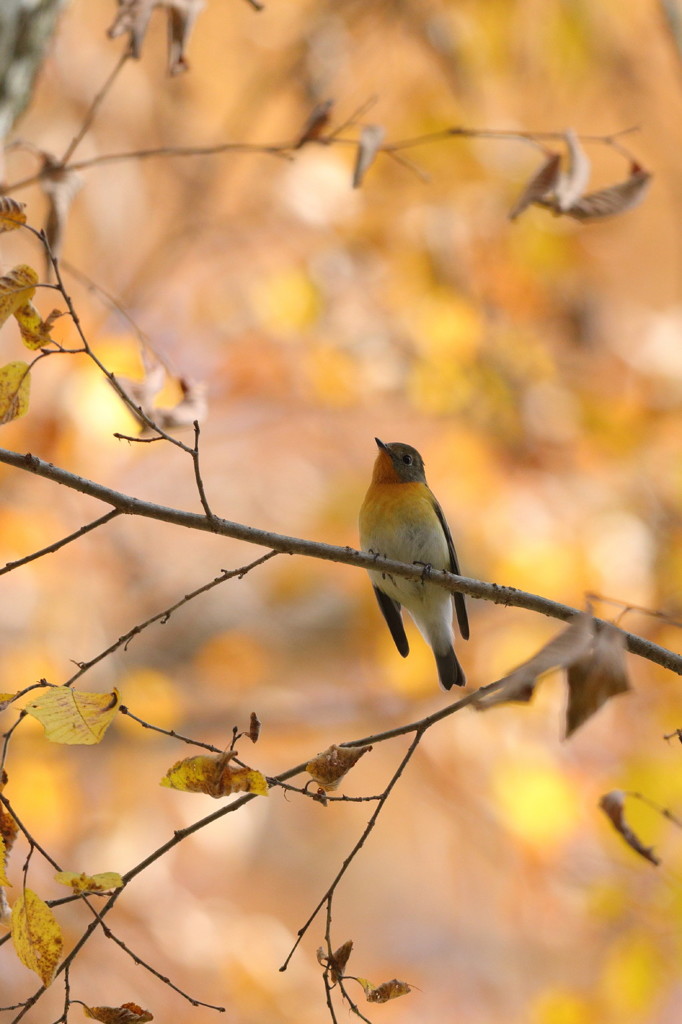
(449, 670)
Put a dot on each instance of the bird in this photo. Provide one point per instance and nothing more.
(401, 519)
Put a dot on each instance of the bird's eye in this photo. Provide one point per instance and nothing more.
(407, 459)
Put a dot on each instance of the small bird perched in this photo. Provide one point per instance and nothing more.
(401, 519)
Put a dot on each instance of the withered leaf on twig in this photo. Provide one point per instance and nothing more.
(371, 137)
(316, 123)
(573, 181)
(134, 15)
(540, 185)
(600, 674)
(564, 649)
(613, 805)
(336, 963)
(329, 767)
(60, 185)
(618, 198)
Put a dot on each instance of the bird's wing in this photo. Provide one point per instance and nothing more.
(391, 612)
(460, 606)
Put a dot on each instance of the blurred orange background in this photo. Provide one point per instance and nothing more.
(536, 365)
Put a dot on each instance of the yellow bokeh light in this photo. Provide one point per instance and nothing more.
(536, 802)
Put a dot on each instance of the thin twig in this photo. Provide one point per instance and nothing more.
(358, 845)
(91, 113)
(123, 710)
(163, 616)
(197, 472)
(51, 548)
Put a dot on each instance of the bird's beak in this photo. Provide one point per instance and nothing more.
(380, 444)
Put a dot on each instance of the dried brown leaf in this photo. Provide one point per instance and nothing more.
(613, 805)
(182, 15)
(339, 959)
(388, 990)
(254, 727)
(329, 767)
(563, 650)
(573, 181)
(128, 1013)
(540, 185)
(608, 202)
(601, 673)
(316, 123)
(133, 17)
(371, 137)
(213, 775)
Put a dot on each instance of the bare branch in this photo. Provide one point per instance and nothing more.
(509, 596)
(51, 548)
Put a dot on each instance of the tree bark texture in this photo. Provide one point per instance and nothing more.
(26, 27)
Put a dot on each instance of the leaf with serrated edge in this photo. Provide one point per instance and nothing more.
(74, 716)
(36, 935)
(214, 776)
(102, 882)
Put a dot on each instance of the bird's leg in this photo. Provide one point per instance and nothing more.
(426, 570)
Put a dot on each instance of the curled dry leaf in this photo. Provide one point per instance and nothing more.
(329, 767)
(254, 727)
(213, 775)
(17, 287)
(74, 716)
(36, 935)
(316, 123)
(608, 202)
(192, 406)
(601, 673)
(540, 185)
(12, 214)
(15, 390)
(371, 137)
(102, 882)
(387, 990)
(613, 805)
(573, 181)
(181, 17)
(35, 332)
(133, 18)
(338, 960)
(563, 650)
(128, 1013)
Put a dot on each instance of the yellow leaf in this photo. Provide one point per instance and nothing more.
(72, 716)
(16, 289)
(35, 331)
(12, 214)
(6, 699)
(102, 882)
(15, 387)
(214, 776)
(3, 861)
(36, 935)
(128, 1013)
